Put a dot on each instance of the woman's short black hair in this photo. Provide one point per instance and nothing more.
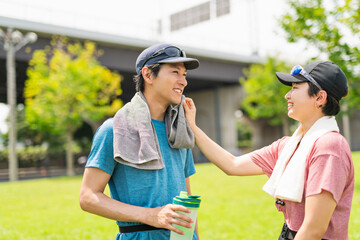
(332, 106)
(139, 79)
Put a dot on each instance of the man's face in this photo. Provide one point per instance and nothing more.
(170, 83)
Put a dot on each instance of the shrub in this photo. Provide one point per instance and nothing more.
(27, 157)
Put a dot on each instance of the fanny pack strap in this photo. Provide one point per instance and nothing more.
(288, 234)
(138, 228)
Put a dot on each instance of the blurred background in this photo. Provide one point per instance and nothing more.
(240, 44)
(66, 66)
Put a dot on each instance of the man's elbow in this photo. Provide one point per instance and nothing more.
(85, 201)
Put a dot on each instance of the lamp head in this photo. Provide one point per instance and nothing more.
(16, 37)
(31, 37)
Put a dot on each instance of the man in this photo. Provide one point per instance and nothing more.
(144, 153)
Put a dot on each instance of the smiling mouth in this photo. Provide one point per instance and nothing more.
(178, 90)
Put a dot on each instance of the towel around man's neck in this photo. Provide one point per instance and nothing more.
(135, 141)
(287, 182)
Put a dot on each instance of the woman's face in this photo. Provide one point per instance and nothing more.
(300, 105)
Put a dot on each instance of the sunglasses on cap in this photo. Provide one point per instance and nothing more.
(299, 70)
(170, 51)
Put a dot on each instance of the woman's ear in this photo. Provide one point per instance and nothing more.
(321, 98)
(147, 73)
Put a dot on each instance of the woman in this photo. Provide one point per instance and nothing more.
(311, 174)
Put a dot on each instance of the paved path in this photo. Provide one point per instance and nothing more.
(31, 173)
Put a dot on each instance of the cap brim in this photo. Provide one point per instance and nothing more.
(288, 79)
(189, 63)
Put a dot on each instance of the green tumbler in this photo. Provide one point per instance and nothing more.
(193, 203)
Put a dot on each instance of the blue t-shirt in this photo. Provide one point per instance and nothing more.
(145, 188)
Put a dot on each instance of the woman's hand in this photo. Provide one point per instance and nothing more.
(190, 112)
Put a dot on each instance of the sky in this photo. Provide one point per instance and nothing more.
(251, 26)
(3, 114)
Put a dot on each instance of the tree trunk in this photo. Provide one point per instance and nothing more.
(346, 124)
(285, 125)
(69, 155)
(94, 125)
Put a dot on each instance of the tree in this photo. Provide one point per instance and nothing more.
(333, 27)
(264, 93)
(67, 85)
(31, 137)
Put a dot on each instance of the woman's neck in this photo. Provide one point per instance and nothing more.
(308, 123)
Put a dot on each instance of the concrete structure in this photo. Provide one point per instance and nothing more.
(214, 86)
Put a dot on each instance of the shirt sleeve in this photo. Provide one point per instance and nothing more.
(189, 164)
(102, 155)
(266, 157)
(330, 166)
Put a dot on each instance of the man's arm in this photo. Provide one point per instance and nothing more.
(92, 199)
(318, 211)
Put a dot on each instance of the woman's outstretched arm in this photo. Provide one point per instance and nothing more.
(231, 165)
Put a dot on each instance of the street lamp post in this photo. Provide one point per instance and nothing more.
(13, 41)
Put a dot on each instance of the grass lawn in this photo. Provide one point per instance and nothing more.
(232, 208)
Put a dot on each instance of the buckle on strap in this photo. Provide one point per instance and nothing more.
(287, 233)
(279, 202)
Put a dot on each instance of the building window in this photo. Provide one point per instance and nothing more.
(222, 7)
(191, 16)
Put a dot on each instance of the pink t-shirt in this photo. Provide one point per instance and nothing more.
(328, 167)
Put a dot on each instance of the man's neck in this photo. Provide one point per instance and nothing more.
(156, 108)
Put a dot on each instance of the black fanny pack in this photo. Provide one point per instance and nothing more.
(138, 228)
(288, 234)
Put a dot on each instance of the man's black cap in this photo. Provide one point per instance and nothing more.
(146, 57)
(327, 74)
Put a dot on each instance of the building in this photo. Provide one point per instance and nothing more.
(214, 86)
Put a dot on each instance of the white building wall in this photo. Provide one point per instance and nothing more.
(252, 25)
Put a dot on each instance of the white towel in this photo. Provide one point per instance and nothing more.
(288, 184)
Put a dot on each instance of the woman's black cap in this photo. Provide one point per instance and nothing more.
(327, 74)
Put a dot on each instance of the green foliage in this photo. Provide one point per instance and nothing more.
(26, 156)
(244, 135)
(264, 93)
(333, 28)
(33, 137)
(232, 208)
(66, 84)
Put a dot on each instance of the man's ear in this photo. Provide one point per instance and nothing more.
(147, 73)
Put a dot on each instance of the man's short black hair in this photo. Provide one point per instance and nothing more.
(139, 79)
